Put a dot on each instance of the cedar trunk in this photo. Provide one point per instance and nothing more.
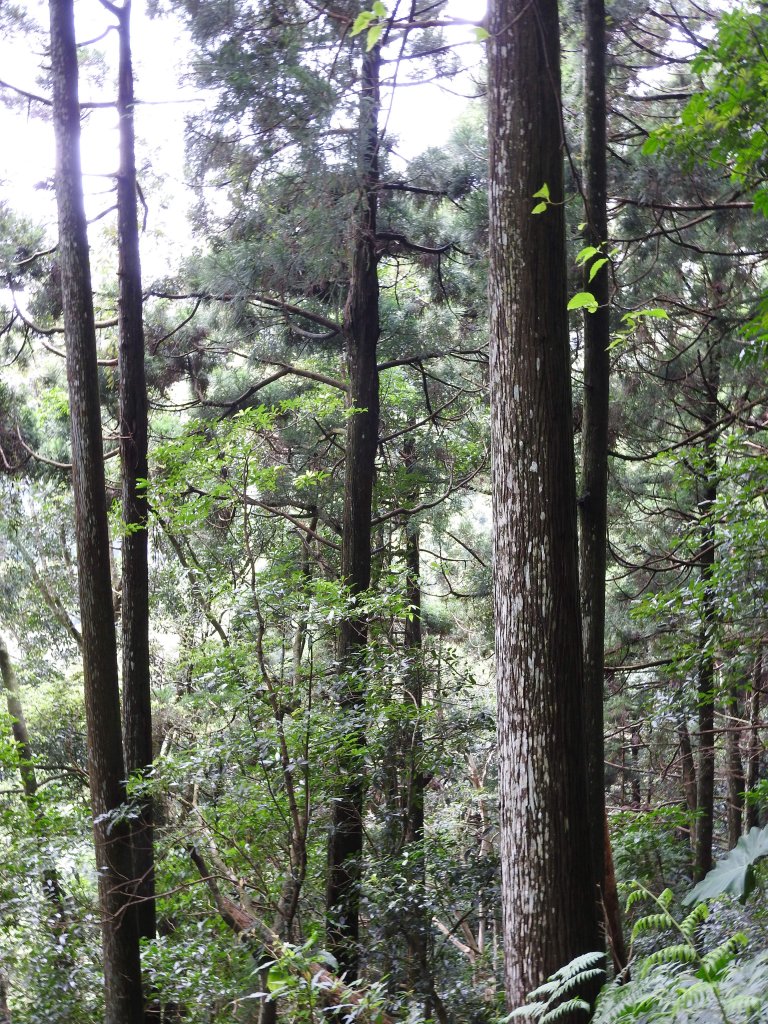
(361, 334)
(550, 914)
(593, 500)
(106, 768)
(137, 705)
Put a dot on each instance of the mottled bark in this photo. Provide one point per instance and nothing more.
(50, 876)
(361, 334)
(137, 702)
(122, 974)
(18, 723)
(550, 914)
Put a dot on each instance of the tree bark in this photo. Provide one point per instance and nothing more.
(361, 334)
(735, 765)
(550, 913)
(122, 973)
(710, 369)
(594, 432)
(18, 723)
(593, 501)
(755, 752)
(137, 700)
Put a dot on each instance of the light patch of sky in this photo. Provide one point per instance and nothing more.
(420, 115)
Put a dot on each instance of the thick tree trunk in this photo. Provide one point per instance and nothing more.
(137, 702)
(122, 973)
(550, 913)
(361, 332)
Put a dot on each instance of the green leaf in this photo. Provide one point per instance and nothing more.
(374, 35)
(379, 9)
(584, 300)
(543, 192)
(361, 23)
(586, 254)
(596, 267)
(735, 873)
(481, 34)
(539, 208)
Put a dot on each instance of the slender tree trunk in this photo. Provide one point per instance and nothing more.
(106, 768)
(419, 928)
(594, 459)
(687, 767)
(137, 701)
(593, 501)
(706, 560)
(755, 751)
(635, 744)
(735, 765)
(361, 332)
(550, 913)
(18, 723)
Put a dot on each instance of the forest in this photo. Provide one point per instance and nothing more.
(383, 537)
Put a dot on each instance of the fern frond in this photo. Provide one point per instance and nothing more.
(580, 979)
(534, 1010)
(715, 963)
(695, 996)
(545, 989)
(569, 1006)
(653, 923)
(665, 898)
(636, 896)
(681, 953)
(697, 916)
(579, 964)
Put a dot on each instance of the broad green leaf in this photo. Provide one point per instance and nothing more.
(596, 267)
(543, 192)
(481, 34)
(379, 9)
(539, 208)
(361, 23)
(374, 35)
(583, 300)
(586, 254)
(735, 873)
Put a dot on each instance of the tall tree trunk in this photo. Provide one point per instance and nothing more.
(106, 768)
(18, 723)
(734, 764)
(594, 458)
(137, 701)
(593, 501)
(706, 561)
(550, 914)
(361, 333)
(419, 927)
(687, 768)
(755, 751)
